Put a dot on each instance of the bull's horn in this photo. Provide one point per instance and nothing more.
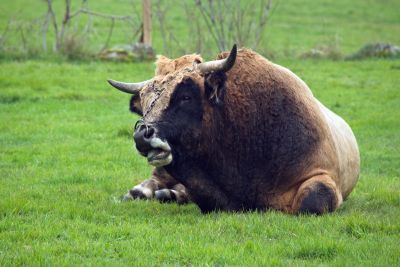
(130, 88)
(219, 65)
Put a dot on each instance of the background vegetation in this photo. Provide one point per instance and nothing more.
(66, 152)
(293, 27)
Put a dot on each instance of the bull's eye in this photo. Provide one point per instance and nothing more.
(186, 98)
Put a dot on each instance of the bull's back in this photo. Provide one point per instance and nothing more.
(346, 149)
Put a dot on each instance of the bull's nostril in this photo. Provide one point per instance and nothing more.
(149, 132)
(143, 136)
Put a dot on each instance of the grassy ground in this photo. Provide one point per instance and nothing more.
(66, 156)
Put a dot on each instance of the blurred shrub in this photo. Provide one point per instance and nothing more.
(73, 47)
(378, 50)
(325, 51)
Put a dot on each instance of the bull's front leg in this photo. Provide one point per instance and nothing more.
(205, 192)
(161, 186)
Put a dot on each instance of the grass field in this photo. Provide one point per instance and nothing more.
(66, 156)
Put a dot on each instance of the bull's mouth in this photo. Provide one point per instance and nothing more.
(158, 157)
(161, 154)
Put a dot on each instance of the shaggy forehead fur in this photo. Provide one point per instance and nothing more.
(169, 73)
(167, 66)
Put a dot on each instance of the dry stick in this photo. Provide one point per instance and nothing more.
(263, 22)
(89, 23)
(53, 17)
(23, 39)
(221, 23)
(65, 21)
(138, 17)
(246, 30)
(68, 16)
(271, 10)
(45, 28)
(3, 35)
(209, 26)
(190, 15)
(113, 18)
(138, 31)
(161, 16)
(238, 24)
(109, 34)
(230, 15)
(97, 14)
(173, 38)
(217, 30)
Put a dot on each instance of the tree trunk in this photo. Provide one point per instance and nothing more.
(147, 22)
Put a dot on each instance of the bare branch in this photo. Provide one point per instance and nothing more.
(262, 23)
(98, 14)
(109, 34)
(194, 27)
(160, 15)
(205, 16)
(23, 39)
(6, 29)
(53, 18)
(241, 22)
(45, 29)
(65, 21)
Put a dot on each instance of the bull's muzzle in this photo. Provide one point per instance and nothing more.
(157, 151)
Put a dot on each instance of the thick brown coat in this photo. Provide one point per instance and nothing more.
(271, 144)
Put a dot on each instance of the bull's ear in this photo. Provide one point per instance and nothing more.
(135, 106)
(215, 77)
(214, 84)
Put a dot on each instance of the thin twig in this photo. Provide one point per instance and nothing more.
(23, 39)
(98, 14)
(221, 22)
(6, 29)
(45, 29)
(53, 18)
(160, 14)
(65, 21)
(209, 26)
(262, 23)
(109, 35)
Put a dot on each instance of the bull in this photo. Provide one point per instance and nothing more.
(240, 133)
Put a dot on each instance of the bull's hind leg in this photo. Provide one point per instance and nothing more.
(317, 195)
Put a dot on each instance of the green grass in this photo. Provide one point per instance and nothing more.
(66, 156)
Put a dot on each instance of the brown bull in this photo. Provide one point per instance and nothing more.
(241, 133)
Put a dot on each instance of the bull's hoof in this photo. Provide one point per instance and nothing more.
(164, 195)
(139, 194)
(126, 197)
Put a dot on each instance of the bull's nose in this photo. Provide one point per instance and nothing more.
(142, 136)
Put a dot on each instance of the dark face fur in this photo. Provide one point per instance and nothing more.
(183, 114)
(172, 117)
(172, 104)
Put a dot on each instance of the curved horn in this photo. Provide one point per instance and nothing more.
(219, 65)
(130, 88)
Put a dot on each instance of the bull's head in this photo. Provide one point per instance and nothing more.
(172, 103)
